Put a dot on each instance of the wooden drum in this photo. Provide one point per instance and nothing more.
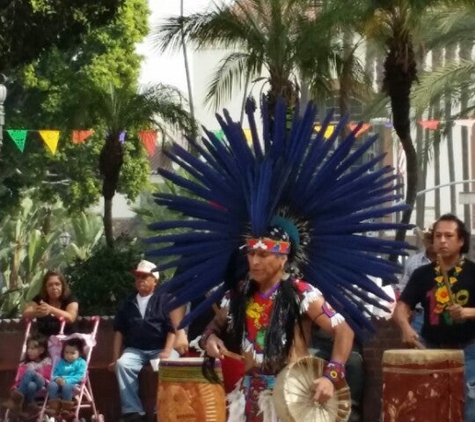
(185, 395)
(423, 385)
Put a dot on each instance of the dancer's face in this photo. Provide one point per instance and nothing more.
(266, 267)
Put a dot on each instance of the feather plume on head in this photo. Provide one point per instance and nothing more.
(311, 187)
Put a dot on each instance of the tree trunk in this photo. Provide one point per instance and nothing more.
(465, 54)
(436, 142)
(345, 78)
(399, 75)
(111, 160)
(369, 64)
(421, 180)
(108, 224)
(449, 58)
(436, 63)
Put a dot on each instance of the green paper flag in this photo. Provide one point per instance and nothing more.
(19, 137)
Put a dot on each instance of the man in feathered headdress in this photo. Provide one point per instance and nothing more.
(267, 319)
(256, 216)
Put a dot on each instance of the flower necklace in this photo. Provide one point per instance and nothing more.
(442, 296)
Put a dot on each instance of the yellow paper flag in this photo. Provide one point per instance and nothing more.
(50, 138)
(248, 136)
(328, 132)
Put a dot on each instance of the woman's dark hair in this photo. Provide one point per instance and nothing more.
(462, 231)
(77, 343)
(65, 292)
(41, 341)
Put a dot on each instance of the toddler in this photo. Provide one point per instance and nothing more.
(67, 374)
(33, 373)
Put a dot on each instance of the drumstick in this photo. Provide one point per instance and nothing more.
(419, 345)
(446, 280)
(226, 353)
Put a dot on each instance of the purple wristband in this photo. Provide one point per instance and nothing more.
(335, 371)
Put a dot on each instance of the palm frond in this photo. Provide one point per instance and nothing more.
(434, 84)
(449, 25)
(231, 74)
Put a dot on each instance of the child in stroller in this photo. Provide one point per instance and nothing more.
(68, 372)
(83, 398)
(33, 373)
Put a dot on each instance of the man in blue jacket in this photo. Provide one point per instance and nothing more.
(145, 332)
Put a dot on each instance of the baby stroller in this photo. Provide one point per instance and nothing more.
(83, 396)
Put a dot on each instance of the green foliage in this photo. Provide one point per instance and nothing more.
(262, 36)
(103, 280)
(29, 246)
(27, 249)
(49, 93)
(29, 27)
(87, 234)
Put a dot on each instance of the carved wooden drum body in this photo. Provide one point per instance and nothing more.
(423, 385)
(184, 395)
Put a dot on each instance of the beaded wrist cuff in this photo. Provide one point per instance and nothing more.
(334, 371)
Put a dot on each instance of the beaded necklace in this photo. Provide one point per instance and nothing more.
(442, 296)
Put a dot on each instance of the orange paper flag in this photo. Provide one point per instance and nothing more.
(430, 124)
(149, 140)
(364, 127)
(50, 138)
(80, 136)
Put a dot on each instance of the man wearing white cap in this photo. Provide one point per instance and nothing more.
(145, 331)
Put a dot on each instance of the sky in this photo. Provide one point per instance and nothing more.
(168, 67)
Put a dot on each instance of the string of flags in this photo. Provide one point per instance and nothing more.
(149, 138)
(328, 131)
(434, 124)
(50, 138)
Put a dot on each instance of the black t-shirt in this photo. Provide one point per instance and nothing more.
(438, 327)
(50, 325)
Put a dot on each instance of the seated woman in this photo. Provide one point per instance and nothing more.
(54, 301)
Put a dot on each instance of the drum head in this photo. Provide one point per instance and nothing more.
(294, 390)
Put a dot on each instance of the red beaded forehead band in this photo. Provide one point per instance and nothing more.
(275, 246)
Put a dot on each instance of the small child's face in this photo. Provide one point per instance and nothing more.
(34, 350)
(71, 353)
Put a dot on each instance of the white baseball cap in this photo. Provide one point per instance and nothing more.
(146, 267)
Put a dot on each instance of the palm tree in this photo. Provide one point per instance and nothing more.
(454, 82)
(264, 37)
(121, 109)
(393, 25)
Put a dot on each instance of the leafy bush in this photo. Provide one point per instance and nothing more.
(103, 280)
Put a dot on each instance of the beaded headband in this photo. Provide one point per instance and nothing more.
(275, 246)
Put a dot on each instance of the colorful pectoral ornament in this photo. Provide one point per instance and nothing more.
(442, 295)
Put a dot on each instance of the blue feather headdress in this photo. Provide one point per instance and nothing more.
(237, 189)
